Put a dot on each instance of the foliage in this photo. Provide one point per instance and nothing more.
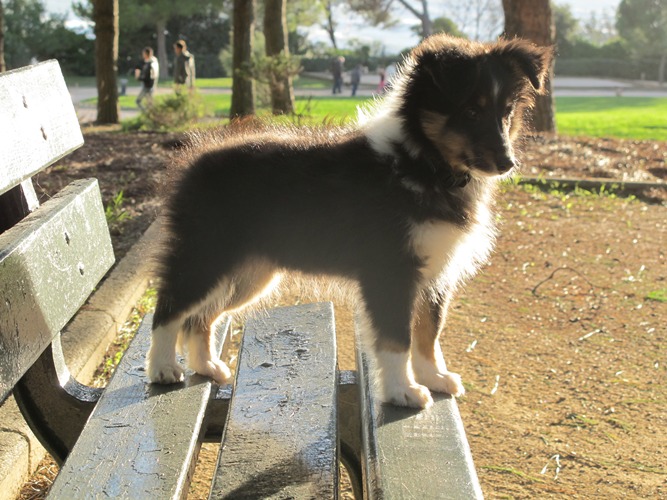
(116, 214)
(126, 333)
(643, 23)
(443, 25)
(170, 112)
(31, 33)
(271, 69)
(658, 295)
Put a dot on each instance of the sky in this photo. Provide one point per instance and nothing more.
(398, 37)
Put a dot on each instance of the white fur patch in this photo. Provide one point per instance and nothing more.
(381, 121)
(203, 359)
(396, 382)
(435, 243)
(435, 375)
(161, 363)
(473, 249)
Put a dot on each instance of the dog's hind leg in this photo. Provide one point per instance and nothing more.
(198, 340)
(427, 360)
(161, 364)
(246, 286)
(387, 329)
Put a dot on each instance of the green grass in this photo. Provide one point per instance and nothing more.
(625, 117)
(658, 295)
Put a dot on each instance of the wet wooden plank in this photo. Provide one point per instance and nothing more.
(280, 439)
(50, 262)
(411, 454)
(38, 123)
(142, 440)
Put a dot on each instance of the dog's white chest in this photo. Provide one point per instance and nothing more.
(451, 253)
(435, 243)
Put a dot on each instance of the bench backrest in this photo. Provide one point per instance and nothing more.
(51, 257)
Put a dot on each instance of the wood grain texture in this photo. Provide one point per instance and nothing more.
(415, 454)
(280, 439)
(38, 123)
(50, 262)
(142, 439)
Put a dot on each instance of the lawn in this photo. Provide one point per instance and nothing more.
(623, 117)
(626, 117)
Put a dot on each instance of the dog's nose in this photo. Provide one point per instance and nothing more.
(505, 163)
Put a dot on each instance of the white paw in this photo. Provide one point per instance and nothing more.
(413, 396)
(213, 368)
(447, 382)
(164, 373)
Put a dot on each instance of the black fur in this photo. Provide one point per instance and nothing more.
(348, 202)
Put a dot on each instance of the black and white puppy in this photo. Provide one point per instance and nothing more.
(399, 204)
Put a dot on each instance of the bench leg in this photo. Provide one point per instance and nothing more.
(53, 403)
(349, 429)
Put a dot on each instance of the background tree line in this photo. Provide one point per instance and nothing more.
(226, 30)
(628, 44)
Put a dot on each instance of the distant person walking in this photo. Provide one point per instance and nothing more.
(389, 74)
(147, 72)
(337, 72)
(184, 66)
(355, 77)
(380, 87)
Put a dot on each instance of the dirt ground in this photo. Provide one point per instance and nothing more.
(561, 339)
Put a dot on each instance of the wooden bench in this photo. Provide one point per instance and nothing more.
(290, 417)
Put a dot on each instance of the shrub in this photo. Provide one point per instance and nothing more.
(173, 111)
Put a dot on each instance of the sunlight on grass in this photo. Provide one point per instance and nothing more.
(625, 117)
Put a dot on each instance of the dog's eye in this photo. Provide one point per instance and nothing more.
(472, 113)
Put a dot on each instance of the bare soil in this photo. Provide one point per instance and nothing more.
(561, 339)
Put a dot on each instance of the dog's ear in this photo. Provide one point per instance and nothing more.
(453, 74)
(533, 61)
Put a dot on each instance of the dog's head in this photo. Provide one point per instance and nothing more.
(467, 100)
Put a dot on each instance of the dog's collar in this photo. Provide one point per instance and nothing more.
(455, 180)
(428, 170)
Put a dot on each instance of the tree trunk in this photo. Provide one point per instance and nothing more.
(661, 69)
(423, 16)
(162, 58)
(275, 33)
(243, 86)
(105, 16)
(427, 25)
(532, 19)
(3, 67)
(331, 25)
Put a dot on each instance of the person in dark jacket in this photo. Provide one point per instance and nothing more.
(147, 72)
(184, 66)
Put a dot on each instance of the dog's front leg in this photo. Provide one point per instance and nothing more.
(388, 314)
(427, 360)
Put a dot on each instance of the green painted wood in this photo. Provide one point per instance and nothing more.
(50, 262)
(38, 123)
(280, 439)
(415, 454)
(142, 439)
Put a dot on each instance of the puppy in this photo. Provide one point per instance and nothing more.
(398, 204)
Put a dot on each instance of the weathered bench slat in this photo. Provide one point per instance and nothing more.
(415, 454)
(38, 123)
(280, 439)
(49, 263)
(141, 440)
